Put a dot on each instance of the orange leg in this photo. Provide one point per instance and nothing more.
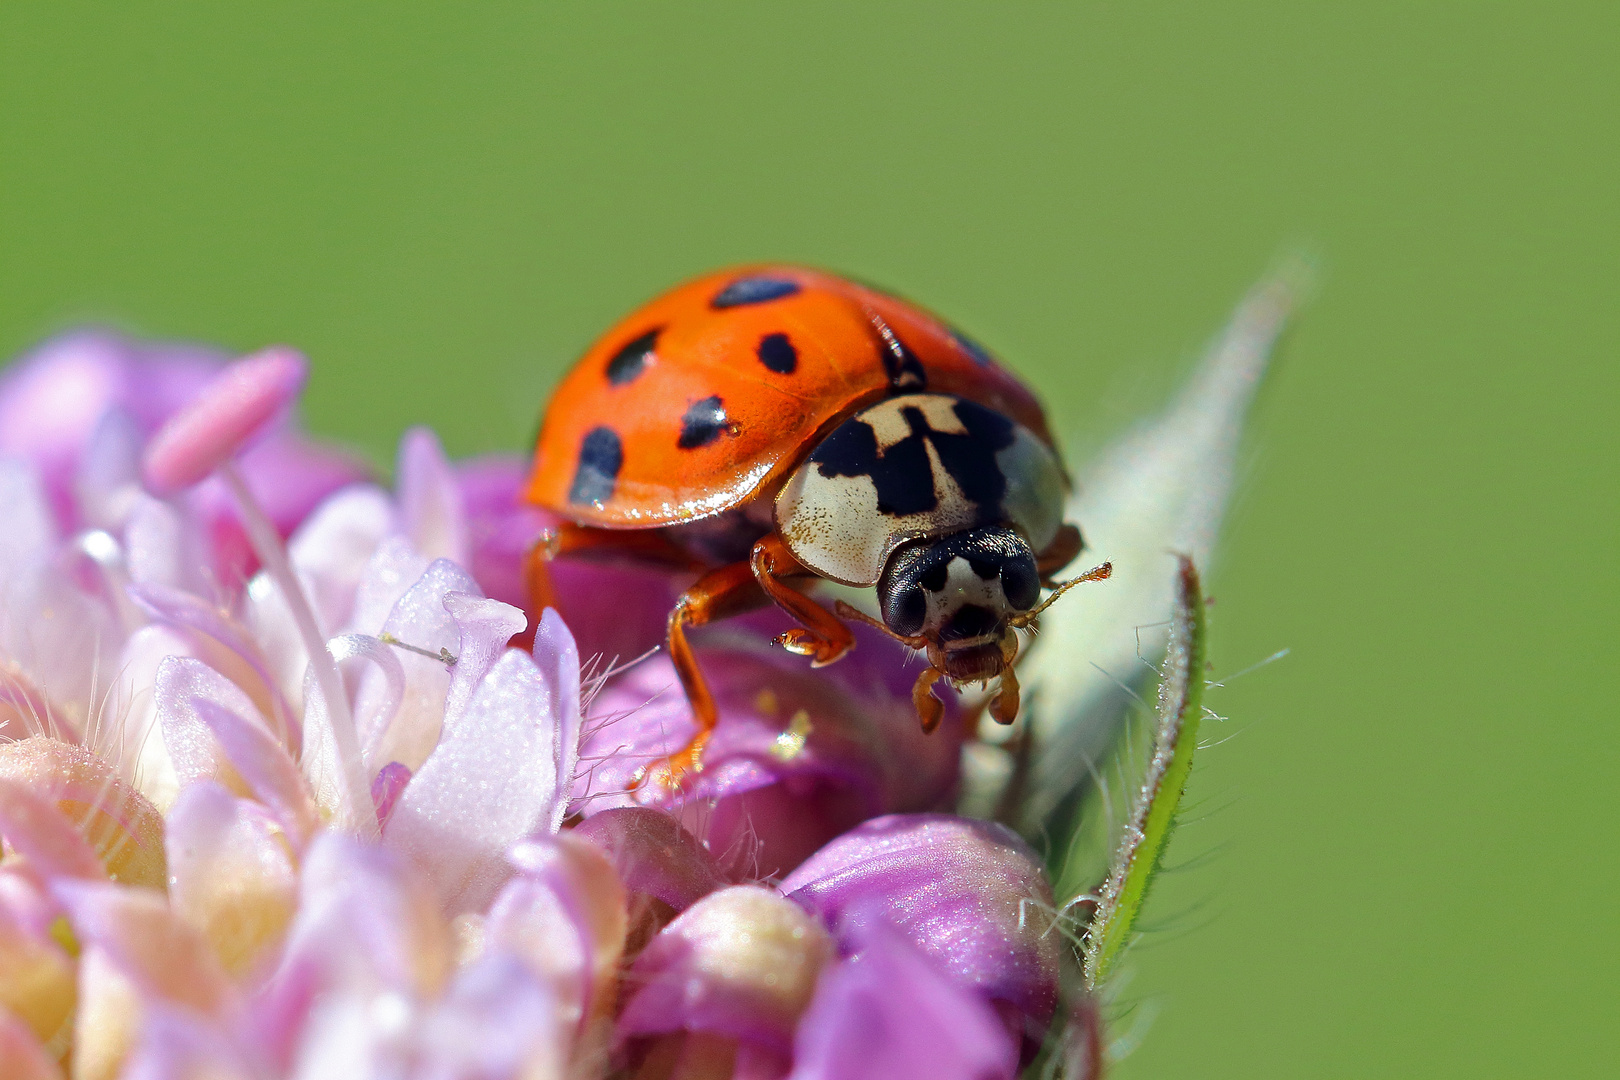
(930, 709)
(1004, 706)
(582, 541)
(1059, 553)
(823, 637)
(719, 594)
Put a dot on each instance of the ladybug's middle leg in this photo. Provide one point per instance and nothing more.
(824, 637)
(719, 594)
(569, 539)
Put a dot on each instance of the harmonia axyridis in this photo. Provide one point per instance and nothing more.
(773, 423)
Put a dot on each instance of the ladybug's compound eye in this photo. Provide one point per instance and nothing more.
(1020, 582)
(904, 610)
(902, 598)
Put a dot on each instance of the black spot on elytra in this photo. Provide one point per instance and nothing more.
(777, 353)
(980, 354)
(632, 360)
(601, 456)
(703, 423)
(900, 364)
(902, 474)
(753, 290)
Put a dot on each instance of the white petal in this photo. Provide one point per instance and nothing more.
(333, 548)
(154, 543)
(418, 620)
(492, 781)
(484, 627)
(429, 498)
(392, 569)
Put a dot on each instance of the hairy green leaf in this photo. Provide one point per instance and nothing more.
(1153, 808)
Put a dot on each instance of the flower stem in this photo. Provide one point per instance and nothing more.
(356, 811)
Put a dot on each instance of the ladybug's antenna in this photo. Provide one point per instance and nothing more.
(845, 611)
(1023, 619)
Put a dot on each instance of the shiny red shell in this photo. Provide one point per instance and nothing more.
(710, 395)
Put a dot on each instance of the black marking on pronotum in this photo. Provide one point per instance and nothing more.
(753, 290)
(777, 353)
(902, 474)
(703, 423)
(900, 364)
(601, 456)
(632, 360)
(980, 354)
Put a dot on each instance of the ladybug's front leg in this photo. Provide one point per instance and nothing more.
(824, 637)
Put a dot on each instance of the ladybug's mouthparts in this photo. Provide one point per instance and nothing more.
(970, 643)
(973, 660)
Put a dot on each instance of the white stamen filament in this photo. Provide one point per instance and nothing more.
(356, 811)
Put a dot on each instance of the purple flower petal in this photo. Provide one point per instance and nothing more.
(741, 962)
(386, 788)
(564, 915)
(558, 660)
(189, 613)
(653, 854)
(107, 474)
(891, 1014)
(391, 571)
(382, 705)
(155, 543)
(968, 893)
(208, 721)
(367, 925)
(231, 877)
(176, 1043)
(799, 755)
(491, 781)
(501, 527)
(429, 500)
(34, 829)
(270, 773)
(161, 956)
(496, 1021)
(52, 401)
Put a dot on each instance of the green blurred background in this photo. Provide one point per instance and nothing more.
(1414, 856)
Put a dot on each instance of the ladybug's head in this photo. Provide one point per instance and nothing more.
(961, 596)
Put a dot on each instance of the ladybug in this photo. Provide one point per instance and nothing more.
(767, 426)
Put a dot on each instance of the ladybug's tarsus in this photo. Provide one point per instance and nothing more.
(823, 638)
